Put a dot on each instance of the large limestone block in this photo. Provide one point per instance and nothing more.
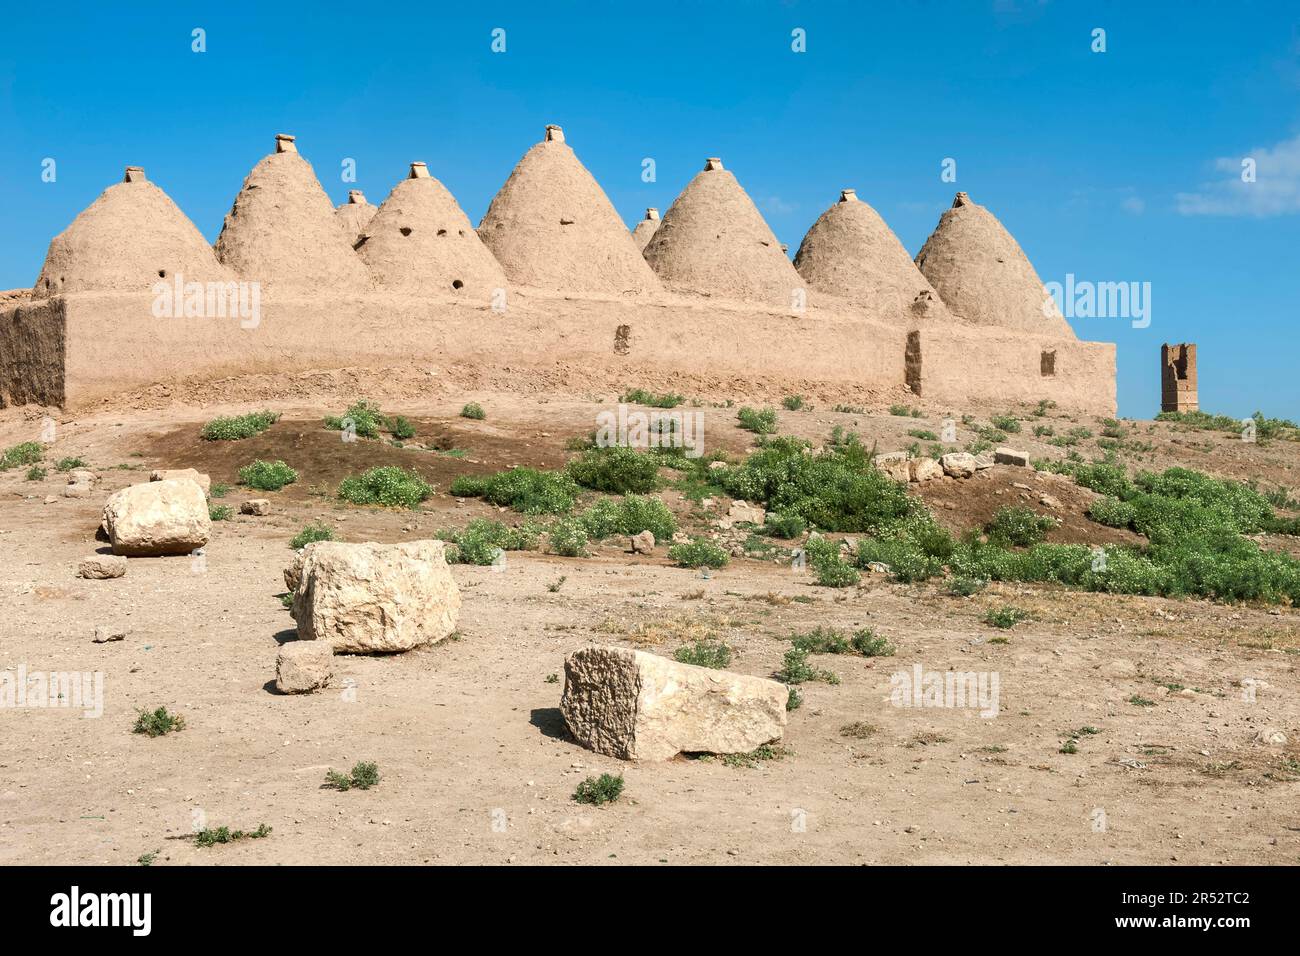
(958, 464)
(639, 706)
(375, 598)
(158, 517)
(177, 474)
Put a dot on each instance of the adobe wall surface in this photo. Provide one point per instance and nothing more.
(32, 353)
(115, 346)
(990, 367)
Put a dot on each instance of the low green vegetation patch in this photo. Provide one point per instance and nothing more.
(238, 427)
(698, 553)
(524, 489)
(567, 537)
(483, 541)
(473, 410)
(829, 641)
(36, 473)
(616, 470)
(157, 723)
(316, 531)
(24, 453)
(267, 475)
(363, 776)
(705, 653)
(795, 669)
(829, 568)
(220, 512)
(628, 516)
(67, 464)
(1005, 617)
(792, 403)
(389, 486)
(211, 836)
(639, 396)
(759, 421)
(595, 791)
(1018, 526)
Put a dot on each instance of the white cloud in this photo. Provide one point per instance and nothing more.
(1274, 192)
(1133, 205)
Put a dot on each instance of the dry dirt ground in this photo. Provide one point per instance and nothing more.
(476, 764)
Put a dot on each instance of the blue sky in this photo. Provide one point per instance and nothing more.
(1114, 166)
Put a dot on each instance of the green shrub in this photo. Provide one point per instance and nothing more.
(1005, 616)
(704, 653)
(867, 643)
(67, 464)
(828, 641)
(924, 434)
(316, 531)
(400, 428)
(616, 470)
(211, 836)
(220, 512)
(364, 775)
(157, 723)
(1006, 423)
(568, 538)
(218, 490)
(794, 699)
(267, 475)
(523, 489)
(36, 473)
(482, 541)
(698, 553)
(795, 669)
(238, 427)
(639, 396)
(630, 516)
(760, 422)
(786, 526)
(1018, 526)
(365, 417)
(473, 410)
(838, 489)
(961, 586)
(828, 567)
(599, 790)
(1112, 512)
(792, 403)
(390, 486)
(24, 453)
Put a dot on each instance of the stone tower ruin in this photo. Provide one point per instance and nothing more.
(1178, 378)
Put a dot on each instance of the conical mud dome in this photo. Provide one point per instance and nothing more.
(851, 252)
(128, 239)
(714, 240)
(646, 228)
(552, 226)
(354, 215)
(282, 231)
(421, 242)
(982, 274)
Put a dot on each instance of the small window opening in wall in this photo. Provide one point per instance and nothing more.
(1047, 364)
(405, 230)
(457, 284)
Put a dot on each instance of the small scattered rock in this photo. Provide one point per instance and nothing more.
(103, 635)
(1271, 736)
(303, 666)
(1048, 501)
(255, 506)
(1009, 456)
(643, 543)
(101, 567)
